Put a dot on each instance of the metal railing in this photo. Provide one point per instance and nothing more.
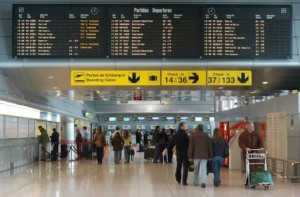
(287, 169)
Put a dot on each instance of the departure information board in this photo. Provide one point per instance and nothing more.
(59, 31)
(152, 31)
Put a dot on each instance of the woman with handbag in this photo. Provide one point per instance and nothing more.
(127, 146)
(219, 146)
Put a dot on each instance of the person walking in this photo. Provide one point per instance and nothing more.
(218, 147)
(181, 141)
(127, 145)
(100, 143)
(249, 139)
(200, 150)
(117, 143)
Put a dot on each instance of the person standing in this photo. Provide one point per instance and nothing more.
(127, 145)
(117, 143)
(200, 150)
(99, 141)
(79, 140)
(155, 142)
(169, 145)
(181, 141)
(146, 139)
(249, 139)
(44, 139)
(55, 141)
(86, 139)
(218, 146)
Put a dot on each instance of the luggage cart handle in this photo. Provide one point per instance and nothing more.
(260, 150)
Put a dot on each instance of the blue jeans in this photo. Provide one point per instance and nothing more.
(217, 163)
(127, 153)
(200, 164)
(117, 156)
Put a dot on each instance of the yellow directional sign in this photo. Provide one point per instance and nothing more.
(229, 78)
(115, 77)
(183, 77)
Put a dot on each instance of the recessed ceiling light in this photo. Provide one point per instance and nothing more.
(138, 88)
(51, 77)
(265, 82)
(55, 88)
(221, 88)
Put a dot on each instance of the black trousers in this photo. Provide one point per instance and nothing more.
(99, 154)
(182, 162)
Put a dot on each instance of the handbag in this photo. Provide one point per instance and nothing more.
(191, 166)
(132, 154)
(209, 167)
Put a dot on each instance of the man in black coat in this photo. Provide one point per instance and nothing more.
(55, 141)
(181, 141)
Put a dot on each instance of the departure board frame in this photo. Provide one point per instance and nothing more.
(196, 31)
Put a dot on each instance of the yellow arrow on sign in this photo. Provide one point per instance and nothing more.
(115, 78)
(229, 78)
(183, 77)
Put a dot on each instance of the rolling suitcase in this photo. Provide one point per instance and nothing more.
(64, 151)
(149, 153)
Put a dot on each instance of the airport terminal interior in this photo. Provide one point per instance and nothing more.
(134, 65)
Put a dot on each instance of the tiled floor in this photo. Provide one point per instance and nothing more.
(138, 179)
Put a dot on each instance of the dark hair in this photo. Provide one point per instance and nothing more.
(117, 134)
(181, 124)
(54, 129)
(99, 129)
(157, 128)
(84, 127)
(217, 136)
(200, 127)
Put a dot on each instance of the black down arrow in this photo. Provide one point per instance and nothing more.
(133, 79)
(243, 78)
(195, 77)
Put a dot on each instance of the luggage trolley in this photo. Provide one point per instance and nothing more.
(262, 178)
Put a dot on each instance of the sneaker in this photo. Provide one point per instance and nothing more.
(185, 184)
(203, 185)
(216, 184)
(196, 184)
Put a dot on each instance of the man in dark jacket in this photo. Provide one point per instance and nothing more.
(55, 140)
(200, 150)
(250, 139)
(78, 140)
(181, 141)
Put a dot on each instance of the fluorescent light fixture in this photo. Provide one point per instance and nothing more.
(11, 109)
(198, 119)
(265, 82)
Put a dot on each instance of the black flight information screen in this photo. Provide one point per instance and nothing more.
(152, 31)
(58, 31)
